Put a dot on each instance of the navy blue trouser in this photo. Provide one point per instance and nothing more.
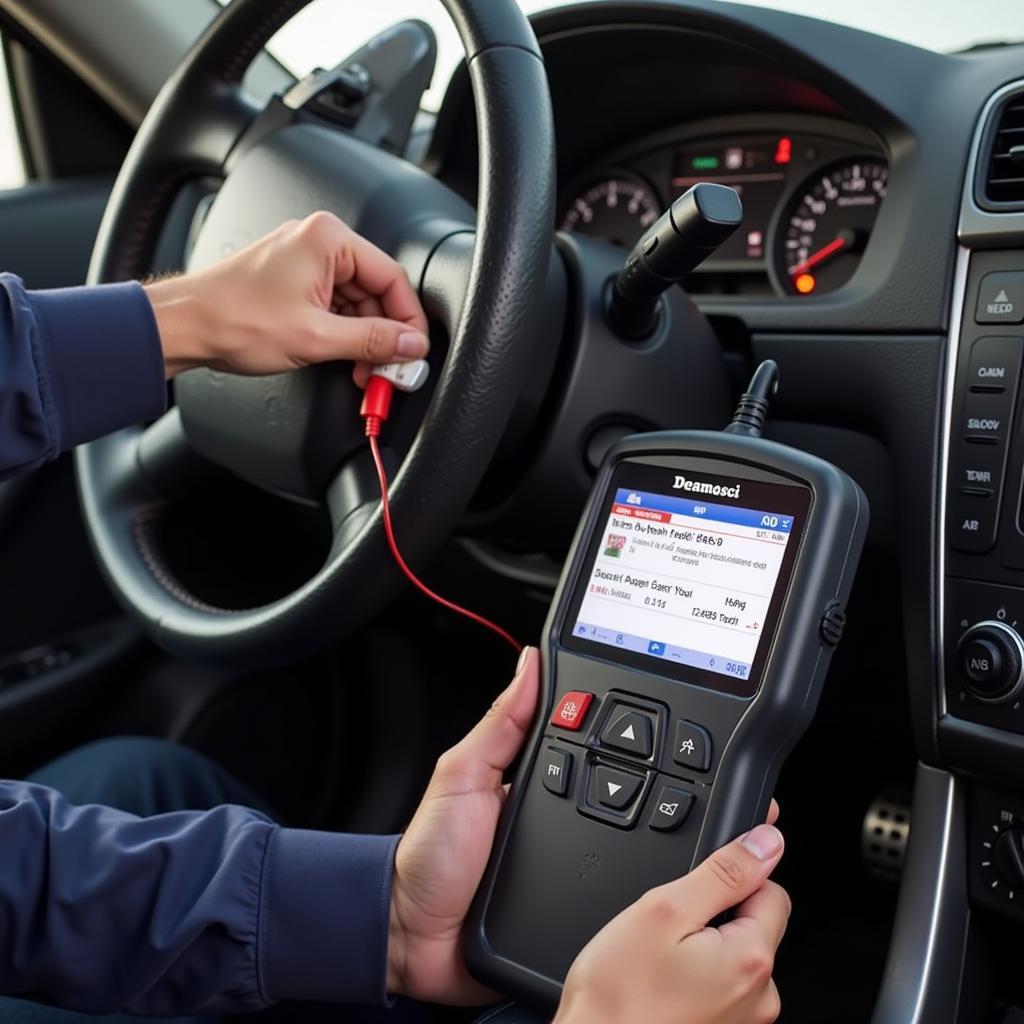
(146, 777)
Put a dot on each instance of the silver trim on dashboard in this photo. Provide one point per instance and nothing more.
(956, 317)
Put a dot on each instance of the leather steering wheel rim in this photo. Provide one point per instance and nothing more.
(189, 133)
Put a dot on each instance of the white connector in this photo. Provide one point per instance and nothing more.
(405, 376)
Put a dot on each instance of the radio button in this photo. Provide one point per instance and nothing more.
(972, 523)
(986, 418)
(630, 731)
(994, 365)
(671, 808)
(693, 747)
(614, 788)
(571, 711)
(1001, 298)
(555, 770)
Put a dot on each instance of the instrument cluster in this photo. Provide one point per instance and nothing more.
(810, 203)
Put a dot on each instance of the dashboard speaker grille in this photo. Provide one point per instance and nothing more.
(1004, 180)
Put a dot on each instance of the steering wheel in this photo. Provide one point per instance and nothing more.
(299, 434)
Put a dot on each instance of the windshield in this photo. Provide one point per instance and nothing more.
(323, 33)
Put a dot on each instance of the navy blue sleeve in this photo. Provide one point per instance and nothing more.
(194, 912)
(75, 364)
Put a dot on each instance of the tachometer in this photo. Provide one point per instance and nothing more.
(618, 208)
(823, 230)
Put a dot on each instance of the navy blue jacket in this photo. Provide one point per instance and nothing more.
(189, 912)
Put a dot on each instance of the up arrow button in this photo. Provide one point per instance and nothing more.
(629, 731)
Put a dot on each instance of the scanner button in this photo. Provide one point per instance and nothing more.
(555, 770)
(671, 809)
(613, 788)
(571, 710)
(693, 746)
(629, 731)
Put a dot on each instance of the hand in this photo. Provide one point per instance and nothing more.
(441, 858)
(310, 292)
(659, 962)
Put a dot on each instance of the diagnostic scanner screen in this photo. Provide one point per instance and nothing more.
(691, 576)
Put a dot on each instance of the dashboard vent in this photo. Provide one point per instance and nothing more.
(1004, 182)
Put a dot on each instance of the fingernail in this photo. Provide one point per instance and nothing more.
(524, 656)
(763, 842)
(413, 345)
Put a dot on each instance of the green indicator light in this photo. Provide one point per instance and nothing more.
(704, 163)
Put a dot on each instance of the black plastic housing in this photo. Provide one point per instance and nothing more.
(556, 875)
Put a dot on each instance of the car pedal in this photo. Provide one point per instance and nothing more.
(885, 833)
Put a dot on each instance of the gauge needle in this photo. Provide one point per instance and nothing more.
(838, 243)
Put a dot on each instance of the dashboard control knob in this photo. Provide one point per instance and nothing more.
(990, 657)
(1008, 857)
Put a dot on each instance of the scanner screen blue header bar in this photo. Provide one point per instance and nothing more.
(697, 509)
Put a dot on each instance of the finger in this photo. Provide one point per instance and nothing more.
(770, 1006)
(728, 877)
(375, 272)
(366, 304)
(479, 760)
(766, 912)
(365, 307)
(366, 339)
(370, 306)
(349, 291)
(773, 812)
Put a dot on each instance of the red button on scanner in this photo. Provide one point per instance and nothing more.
(571, 710)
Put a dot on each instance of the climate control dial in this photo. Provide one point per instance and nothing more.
(990, 657)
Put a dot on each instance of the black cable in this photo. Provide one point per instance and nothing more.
(752, 410)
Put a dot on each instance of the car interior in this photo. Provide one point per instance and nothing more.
(220, 578)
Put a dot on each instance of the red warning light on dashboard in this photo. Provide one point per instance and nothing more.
(784, 150)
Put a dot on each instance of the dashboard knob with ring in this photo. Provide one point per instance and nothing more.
(990, 656)
(1008, 857)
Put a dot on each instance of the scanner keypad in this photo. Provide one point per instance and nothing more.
(625, 760)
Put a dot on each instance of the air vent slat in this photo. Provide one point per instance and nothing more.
(1004, 177)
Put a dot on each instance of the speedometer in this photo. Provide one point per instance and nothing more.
(618, 208)
(824, 228)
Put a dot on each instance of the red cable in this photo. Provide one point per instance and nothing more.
(372, 428)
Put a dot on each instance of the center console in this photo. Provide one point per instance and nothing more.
(981, 704)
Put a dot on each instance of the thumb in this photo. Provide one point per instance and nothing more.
(479, 760)
(371, 339)
(728, 877)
